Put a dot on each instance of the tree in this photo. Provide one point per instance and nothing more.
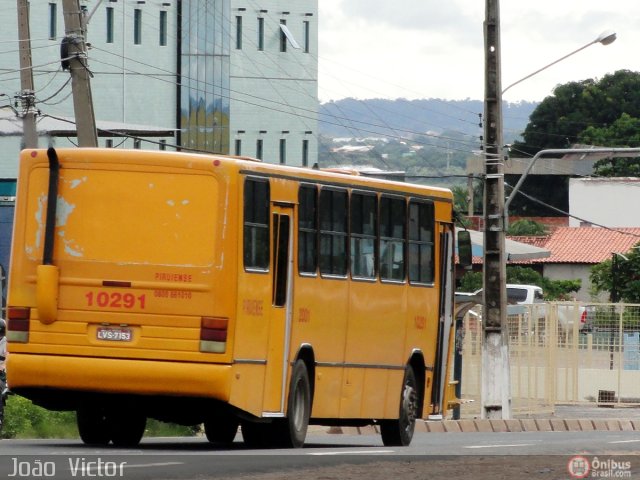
(526, 228)
(624, 132)
(553, 289)
(559, 119)
(627, 276)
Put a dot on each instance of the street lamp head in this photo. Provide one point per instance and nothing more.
(606, 38)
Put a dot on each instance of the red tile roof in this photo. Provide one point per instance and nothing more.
(540, 241)
(587, 244)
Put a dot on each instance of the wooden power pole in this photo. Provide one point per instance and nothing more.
(76, 52)
(27, 93)
(496, 383)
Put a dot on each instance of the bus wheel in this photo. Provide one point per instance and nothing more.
(127, 428)
(292, 431)
(221, 430)
(93, 425)
(398, 433)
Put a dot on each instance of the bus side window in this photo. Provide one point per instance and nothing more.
(421, 236)
(364, 213)
(333, 232)
(307, 229)
(392, 238)
(256, 224)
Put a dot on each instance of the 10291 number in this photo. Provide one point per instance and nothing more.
(115, 300)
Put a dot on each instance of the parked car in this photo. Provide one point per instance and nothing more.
(532, 294)
(567, 314)
(526, 299)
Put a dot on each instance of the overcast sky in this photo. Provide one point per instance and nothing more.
(435, 48)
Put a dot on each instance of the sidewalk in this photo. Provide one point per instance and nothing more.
(567, 418)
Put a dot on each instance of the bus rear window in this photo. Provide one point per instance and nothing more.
(127, 217)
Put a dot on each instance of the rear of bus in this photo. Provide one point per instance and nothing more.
(114, 305)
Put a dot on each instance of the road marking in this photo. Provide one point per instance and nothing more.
(500, 446)
(347, 452)
(626, 441)
(148, 465)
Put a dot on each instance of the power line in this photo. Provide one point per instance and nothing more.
(556, 209)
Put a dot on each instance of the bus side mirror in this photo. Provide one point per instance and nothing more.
(464, 248)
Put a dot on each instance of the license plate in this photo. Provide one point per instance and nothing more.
(114, 334)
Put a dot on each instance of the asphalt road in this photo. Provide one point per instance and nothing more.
(326, 457)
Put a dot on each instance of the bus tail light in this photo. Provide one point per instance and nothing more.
(18, 324)
(213, 334)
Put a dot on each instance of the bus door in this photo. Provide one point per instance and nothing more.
(445, 321)
(281, 311)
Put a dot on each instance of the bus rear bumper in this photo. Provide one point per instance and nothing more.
(118, 376)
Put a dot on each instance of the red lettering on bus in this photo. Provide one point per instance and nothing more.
(174, 277)
(115, 300)
(420, 322)
(304, 315)
(252, 307)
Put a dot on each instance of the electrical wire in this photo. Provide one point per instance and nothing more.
(558, 210)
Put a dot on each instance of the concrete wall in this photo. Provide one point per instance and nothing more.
(570, 271)
(612, 202)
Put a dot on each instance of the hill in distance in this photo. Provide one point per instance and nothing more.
(351, 117)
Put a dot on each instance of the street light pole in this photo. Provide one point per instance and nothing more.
(495, 376)
(605, 38)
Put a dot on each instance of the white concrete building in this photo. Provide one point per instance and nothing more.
(222, 76)
(231, 76)
(273, 81)
(611, 202)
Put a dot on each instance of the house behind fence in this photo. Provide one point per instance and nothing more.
(560, 353)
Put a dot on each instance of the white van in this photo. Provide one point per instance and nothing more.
(524, 294)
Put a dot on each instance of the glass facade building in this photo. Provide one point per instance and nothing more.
(204, 74)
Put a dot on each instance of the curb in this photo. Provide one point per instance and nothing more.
(514, 425)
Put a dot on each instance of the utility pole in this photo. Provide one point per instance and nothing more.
(496, 383)
(27, 94)
(76, 50)
(470, 199)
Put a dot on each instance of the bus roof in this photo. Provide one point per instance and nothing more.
(246, 165)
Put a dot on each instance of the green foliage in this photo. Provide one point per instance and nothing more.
(553, 289)
(560, 289)
(523, 276)
(526, 228)
(560, 119)
(470, 282)
(156, 428)
(23, 419)
(627, 276)
(624, 132)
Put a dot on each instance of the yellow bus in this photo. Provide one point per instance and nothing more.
(223, 291)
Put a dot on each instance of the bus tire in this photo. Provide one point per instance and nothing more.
(292, 430)
(127, 428)
(221, 430)
(399, 432)
(93, 425)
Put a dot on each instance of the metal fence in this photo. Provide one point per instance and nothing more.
(560, 353)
